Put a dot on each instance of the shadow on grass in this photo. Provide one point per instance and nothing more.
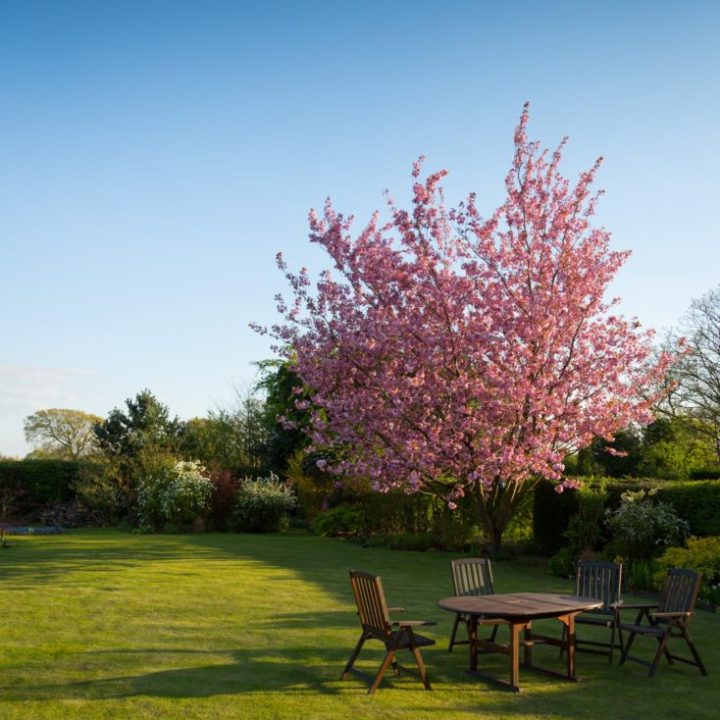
(250, 671)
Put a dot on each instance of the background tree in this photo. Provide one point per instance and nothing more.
(139, 442)
(144, 428)
(286, 424)
(232, 438)
(695, 399)
(62, 433)
(466, 356)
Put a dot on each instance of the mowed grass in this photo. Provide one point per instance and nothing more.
(102, 624)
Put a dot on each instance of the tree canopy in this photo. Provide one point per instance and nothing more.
(61, 432)
(450, 353)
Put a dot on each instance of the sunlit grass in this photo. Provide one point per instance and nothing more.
(101, 624)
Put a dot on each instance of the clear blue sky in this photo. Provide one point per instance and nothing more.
(155, 155)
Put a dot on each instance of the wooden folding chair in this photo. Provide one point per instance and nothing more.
(472, 576)
(603, 581)
(669, 620)
(376, 625)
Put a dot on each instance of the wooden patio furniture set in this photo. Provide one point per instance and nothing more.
(596, 602)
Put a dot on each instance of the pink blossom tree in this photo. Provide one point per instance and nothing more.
(467, 356)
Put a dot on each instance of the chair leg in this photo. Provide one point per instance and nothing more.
(662, 650)
(694, 651)
(493, 633)
(612, 643)
(454, 632)
(354, 655)
(562, 640)
(421, 666)
(626, 649)
(389, 659)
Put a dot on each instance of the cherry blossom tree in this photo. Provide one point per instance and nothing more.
(467, 356)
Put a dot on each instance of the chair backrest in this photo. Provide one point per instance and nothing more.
(599, 580)
(371, 605)
(472, 576)
(680, 591)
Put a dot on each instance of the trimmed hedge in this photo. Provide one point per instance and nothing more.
(697, 502)
(551, 515)
(38, 482)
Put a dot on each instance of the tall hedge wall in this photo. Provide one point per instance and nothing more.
(39, 481)
(696, 501)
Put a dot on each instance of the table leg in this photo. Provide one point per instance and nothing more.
(569, 622)
(515, 629)
(472, 643)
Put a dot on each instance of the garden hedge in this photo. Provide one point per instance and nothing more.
(696, 501)
(36, 483)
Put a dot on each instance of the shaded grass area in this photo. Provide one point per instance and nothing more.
(101, 624)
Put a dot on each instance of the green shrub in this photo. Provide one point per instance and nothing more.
(338, 521)
(187, 495)
(697, 501)
(562, 563)
(173, 497)
(262, 505)
(642, 529)
(38, 482)
(702, 555)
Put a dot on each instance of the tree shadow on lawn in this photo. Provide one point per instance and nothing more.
(250, 671)
(48, 559)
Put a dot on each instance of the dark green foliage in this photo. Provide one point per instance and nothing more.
(562, 563)
(262, 505)
(282, 387)
(145, 426)
(338, 521)
(698, 502)
(231, 439)
(596, 460)
(35, 483)
(668, 448)
(551, 516)
(711, 473)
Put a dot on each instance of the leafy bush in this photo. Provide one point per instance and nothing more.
(262, 505)
(562, 563)
(338, 521)
(174, 496)
(225, 487)
(187, 495)
(642, 529)
(702, 555)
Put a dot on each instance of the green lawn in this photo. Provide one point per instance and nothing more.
(100, 624)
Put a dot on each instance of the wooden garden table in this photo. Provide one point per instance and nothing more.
(519, 610)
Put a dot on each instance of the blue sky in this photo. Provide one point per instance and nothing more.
(154, 157)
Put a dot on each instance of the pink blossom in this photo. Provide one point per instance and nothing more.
(450, 350)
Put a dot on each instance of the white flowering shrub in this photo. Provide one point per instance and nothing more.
(174, 497)
(642, 529)
(262, 505)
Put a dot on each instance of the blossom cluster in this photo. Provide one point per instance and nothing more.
(447, 348)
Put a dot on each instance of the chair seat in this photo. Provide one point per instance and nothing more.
(401, 640)
(658, 630)
(606, 621)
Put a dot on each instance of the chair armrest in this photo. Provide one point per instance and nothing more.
(397, 609)
(671, 614)
(636, 606)
(413, 623)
